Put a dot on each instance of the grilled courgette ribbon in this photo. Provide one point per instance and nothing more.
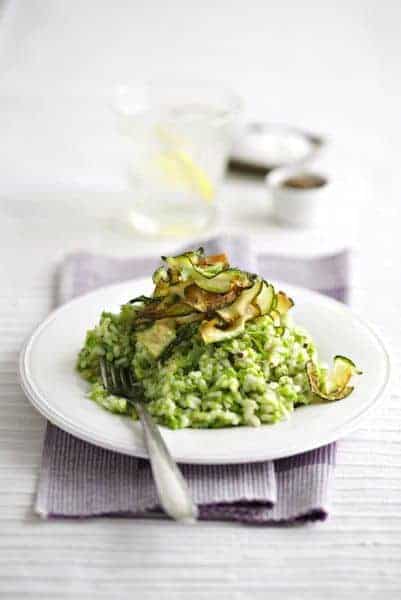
(193, 287)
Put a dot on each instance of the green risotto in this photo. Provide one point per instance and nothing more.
(213, 347)
(258, 377)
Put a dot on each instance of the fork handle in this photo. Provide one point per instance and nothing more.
(171, 486)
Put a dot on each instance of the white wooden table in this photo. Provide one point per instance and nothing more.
(357, 552)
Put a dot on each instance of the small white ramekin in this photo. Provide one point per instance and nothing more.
(298, 207)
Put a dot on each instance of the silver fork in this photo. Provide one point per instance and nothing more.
(173, 491)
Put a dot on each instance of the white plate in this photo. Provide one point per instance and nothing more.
(50, 382)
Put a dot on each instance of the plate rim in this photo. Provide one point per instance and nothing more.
(43, 407)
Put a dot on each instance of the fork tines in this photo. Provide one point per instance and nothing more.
(118, 380)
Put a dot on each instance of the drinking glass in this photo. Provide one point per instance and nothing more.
(176, 140)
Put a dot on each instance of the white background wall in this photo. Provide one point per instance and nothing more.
(329, 66)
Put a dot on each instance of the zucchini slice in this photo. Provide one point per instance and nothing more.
(194, 256)
(215, 259)
(160, 275)
(212, 333)
(158, 336)
(223, 282)
(212, 265)
(209, 270)
(183, 269)
(334, 384)
(265, 298)
(145, 300)
(207, 301)
(210, 273)
(162, 288)
(341, 373)
(180, 267)
(191, 318)
(284, 303)
(163, 310)
(275, 317)
(239, 307)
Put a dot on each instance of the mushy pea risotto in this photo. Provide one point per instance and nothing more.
(212, 347)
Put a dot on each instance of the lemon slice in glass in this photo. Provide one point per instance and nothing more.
(180, 168)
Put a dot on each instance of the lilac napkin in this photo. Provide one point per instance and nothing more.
(81, 480)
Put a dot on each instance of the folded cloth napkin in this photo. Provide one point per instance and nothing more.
(78, 479)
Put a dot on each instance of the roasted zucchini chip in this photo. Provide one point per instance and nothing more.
(332, 385)
(215, 259)
(158, 336)
(239, 307)
(224, 281)
(275, 317)
(283, 303)
(160, 275)
(265, 298)
(191, 318)
(207, 301)
(164, 310)
(215, 331)
(142, 300)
